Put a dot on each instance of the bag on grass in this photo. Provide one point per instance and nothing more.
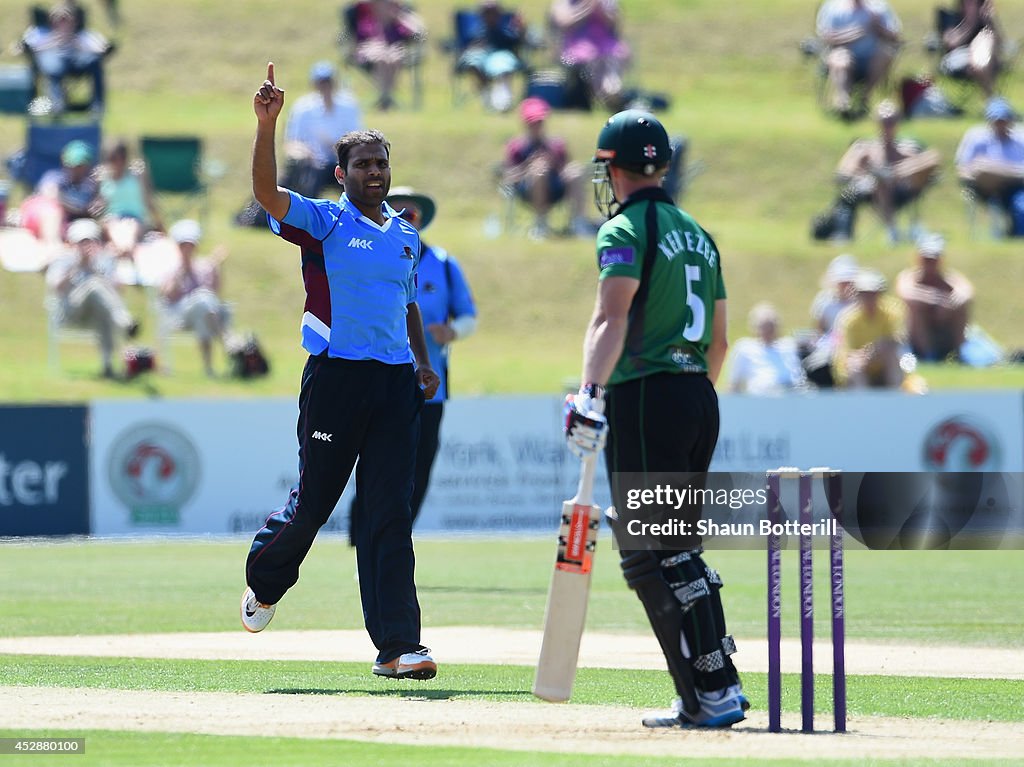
(247, 358)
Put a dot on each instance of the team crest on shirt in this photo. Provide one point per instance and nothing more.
(611, 256)
(407, 252)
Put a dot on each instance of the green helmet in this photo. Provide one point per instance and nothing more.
(634, 140)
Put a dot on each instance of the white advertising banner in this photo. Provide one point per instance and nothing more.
(201, 467)
(873, 431)
(190, 466)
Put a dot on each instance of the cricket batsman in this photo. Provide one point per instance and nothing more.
(651, 355)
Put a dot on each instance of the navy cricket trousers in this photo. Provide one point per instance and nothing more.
(351, 409)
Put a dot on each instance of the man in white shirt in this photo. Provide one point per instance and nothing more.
(314, 125)
(990, 158)
(767, 364)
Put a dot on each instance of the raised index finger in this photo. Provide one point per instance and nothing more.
(270, 72)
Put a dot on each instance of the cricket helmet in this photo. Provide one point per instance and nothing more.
(635, 140)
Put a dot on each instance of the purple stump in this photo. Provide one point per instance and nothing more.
(774, 608)
(834, 493)
(806, 605)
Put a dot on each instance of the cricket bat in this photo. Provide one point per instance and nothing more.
(570, 590)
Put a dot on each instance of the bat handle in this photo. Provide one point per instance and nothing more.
(585, 490)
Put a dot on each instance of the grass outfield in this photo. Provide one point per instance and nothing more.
(740, 90)
(103, 587)
(121, 749)
(122, 587)
(868, 695)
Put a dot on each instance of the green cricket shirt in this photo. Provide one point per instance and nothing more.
(673, 330)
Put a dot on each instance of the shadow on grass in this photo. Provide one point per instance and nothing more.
(482, 590)
(416, 694)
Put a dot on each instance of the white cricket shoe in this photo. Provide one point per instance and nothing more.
(722, 708)
(410, 665)
(255, 615)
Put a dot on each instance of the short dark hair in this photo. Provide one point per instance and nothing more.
(356, 138)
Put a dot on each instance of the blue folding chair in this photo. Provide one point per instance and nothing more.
(44, 143)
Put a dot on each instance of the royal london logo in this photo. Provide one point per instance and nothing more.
(356, 242)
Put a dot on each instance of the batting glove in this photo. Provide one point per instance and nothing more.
(586, 430)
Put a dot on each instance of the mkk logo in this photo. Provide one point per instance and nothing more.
(322, 436)
(355, 242)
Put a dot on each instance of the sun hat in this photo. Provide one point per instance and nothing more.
(425, 203)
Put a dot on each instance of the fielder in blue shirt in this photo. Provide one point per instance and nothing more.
(363, 388)
(449, 314)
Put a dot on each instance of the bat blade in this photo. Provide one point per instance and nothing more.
(567, 602)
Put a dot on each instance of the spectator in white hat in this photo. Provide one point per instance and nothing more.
(869, 337)
(192, 292)
(938, 302)
(766, 363)
(83, 292)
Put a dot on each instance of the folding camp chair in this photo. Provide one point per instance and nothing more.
(177, 172)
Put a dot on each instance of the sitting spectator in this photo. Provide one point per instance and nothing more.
(592, 44)
(83, 292)
(126, 194)
(990, 161)
(861, 39)
(60, 48)
(868, 337)
(890, 170)
(767, 363)
(971, 47)
(384, 30)
(316, 122)
(537, 167)
(492, 56)
(938, 302)
(836, 295)
(192, 292)
(63, 194)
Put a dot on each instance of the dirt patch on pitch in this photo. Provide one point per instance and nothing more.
(471, 644)
(515, 726)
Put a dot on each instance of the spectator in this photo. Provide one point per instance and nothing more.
(126, 196)
(938, 303)
(861, 39)
(315, 122)
(990, 161)
(60, 48)
(766, 363)
(384, 30)
(493, 56)
(192, 292)
(972, 46)
(63, 194)
(537, 167)
(868, 337)
(890, 170)
(83, 292)
(449, 314)
(837, 295)
(591, 43)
